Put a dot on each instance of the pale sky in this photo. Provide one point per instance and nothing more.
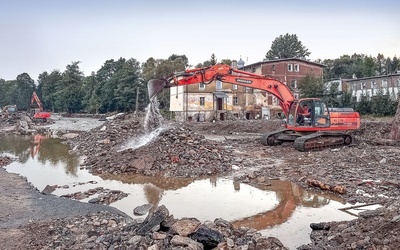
(44, 35)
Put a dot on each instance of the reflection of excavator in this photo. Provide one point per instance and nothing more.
(323, 128)
(35, 145)
(290, 196)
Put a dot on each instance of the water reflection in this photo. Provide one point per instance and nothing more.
(279, 209)
(41, 149)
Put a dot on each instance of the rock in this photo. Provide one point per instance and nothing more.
(152, 220)
(186, 242)
(142, 210)
(185, 227)
(210, 238)
(49, 189)
(319, 226)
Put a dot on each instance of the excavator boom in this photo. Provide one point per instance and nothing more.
(225, 74)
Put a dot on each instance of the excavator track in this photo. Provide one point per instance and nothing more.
(319, 141)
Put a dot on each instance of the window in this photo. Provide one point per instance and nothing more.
(363, 85)
(249, 90)
(398, 82)
(235, 100)
(202, 101)
(202, 86)
(373, 84)
(234, 86)
(290, 67)
(296, 68)
(384, 84)
(218, 84)
(293, 84)
(273, 67)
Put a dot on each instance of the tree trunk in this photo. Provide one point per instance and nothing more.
(395, 131)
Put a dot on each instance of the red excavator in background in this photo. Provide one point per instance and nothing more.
(36, 112)
(317, 127)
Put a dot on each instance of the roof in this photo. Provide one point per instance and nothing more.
(371, 77)
(283, 60)
(220, 94)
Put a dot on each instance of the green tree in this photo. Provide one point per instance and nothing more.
(226, 61)
(69, 91)
(47, 88)
(24, 88)
(311, 86)
(287, 46)
(161, 68)
(364, 106)
(128, 82)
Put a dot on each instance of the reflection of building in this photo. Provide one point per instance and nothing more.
(217, 100)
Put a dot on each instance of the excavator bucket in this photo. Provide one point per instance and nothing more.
(155, 86)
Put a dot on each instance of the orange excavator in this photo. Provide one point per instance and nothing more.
(37, 113)
(322, 127)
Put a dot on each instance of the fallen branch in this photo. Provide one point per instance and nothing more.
(335, 188)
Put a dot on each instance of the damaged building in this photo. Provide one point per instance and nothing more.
(217, 100)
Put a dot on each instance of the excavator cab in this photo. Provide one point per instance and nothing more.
(307, 114)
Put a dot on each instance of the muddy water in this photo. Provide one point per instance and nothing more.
(283, 209)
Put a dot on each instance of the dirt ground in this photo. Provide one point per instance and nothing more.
(367, 172)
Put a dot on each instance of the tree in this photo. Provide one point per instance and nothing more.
(395, 130)
(160, 68)
(311, 86)
(287, 46)
(226, 61)
(47, 88)
(69, 91)
(25, 86)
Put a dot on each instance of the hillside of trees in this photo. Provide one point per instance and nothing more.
(121, 84)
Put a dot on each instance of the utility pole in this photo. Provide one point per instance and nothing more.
(137, 101)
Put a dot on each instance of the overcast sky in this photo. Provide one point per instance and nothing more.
(44, 35)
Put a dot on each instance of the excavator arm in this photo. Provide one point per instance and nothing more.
(225, 74)
(35, 99)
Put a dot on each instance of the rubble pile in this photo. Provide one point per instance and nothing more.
(177, 151)
(5, 160)
(376, 229)
(158, 231)
(104, 138)
(104, 196)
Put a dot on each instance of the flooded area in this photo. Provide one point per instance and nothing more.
(281, 209)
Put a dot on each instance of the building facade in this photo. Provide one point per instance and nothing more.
(221, 101)
(372, 86)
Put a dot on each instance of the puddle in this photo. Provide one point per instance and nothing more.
(282, 209)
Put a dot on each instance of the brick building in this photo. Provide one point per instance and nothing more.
(220, 101)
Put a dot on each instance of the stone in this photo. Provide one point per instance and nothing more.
(185, 227)
(142, 210)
